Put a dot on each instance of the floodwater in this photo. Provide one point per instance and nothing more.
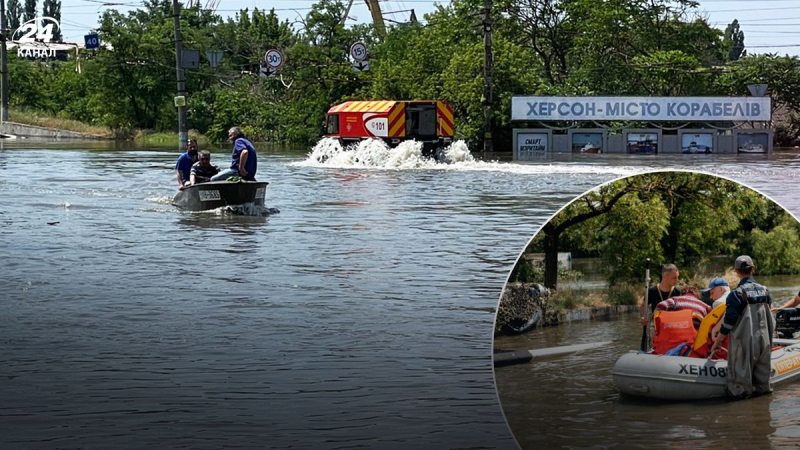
(360, 316)
(571, 402)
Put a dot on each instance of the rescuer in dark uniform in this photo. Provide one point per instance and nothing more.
(750, 324)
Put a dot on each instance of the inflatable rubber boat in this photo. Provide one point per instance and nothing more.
(683, 378)
(215, 194)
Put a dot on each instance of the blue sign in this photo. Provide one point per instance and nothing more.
(92, 41)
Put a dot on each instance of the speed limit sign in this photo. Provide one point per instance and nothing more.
(358, 51)
(274, 59)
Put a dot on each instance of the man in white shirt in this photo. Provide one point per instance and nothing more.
(718, 289)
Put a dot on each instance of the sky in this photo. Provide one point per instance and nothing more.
(771, 27)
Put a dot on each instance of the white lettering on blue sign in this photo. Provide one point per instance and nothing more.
(642, 108)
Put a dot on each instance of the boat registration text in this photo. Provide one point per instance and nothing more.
(210, 195)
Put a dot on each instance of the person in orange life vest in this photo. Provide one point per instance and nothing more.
(665, 289)
(677, 320)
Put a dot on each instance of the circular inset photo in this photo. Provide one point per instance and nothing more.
(656, 310)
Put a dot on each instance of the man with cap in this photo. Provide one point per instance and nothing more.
(750, 324)
(718, 290)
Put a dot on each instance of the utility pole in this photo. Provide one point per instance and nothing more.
(183, 131)
(487, 76)
(3, 64)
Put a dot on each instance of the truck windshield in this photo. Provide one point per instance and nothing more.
(333, 124)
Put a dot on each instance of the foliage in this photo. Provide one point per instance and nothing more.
(52, 8)
(624, 294)
(30, 10)
(777, 251)
(673, 217)
(527, 271)
(734, 40)
(13, 15)
(540, 47)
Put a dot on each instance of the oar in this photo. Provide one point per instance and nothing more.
(523, 356)
(645, 312)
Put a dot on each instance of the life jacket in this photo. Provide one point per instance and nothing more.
(673, 328)
(703, 342)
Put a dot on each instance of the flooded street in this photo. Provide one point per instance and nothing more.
(360, 316)
(571, 402)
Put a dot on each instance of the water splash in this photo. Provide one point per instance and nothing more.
(376, 154)
(160, 199)
(246, 209)
(370, 153)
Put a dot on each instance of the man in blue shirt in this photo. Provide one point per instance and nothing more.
(184, 165)
(244, 161)
(751, 326)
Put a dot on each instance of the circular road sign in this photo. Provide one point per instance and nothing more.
(358, 51)
(274, 58)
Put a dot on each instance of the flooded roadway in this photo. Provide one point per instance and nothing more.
(359, 317)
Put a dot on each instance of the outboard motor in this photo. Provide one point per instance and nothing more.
(787, 322)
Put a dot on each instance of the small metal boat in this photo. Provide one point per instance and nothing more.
(215, 194)
(683, 378)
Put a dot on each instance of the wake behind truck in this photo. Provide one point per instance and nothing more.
(393, 121)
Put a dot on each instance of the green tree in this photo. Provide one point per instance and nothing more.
(669, 217)
(13, 13)
(777, 251)
(52, 8)
(30, 10)
(734, 41)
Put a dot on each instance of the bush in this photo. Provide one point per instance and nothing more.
(624, 294)
(776, 252)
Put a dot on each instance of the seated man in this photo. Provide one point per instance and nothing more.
(718, 290)
(203, 170)
(183, 166)
(244, 161)
(689, 300)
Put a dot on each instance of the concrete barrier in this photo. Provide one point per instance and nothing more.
(32, 131)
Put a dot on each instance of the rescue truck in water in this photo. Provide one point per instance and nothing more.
(393, 121)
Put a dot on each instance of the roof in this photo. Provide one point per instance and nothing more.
(377, 106)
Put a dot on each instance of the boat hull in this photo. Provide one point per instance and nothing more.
(682, 378)
(216, 194)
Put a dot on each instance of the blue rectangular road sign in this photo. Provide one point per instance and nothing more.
(92, 41)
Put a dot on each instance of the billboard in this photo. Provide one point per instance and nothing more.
(530, 145)
(676, 109)
(588, 142)
(642, 143)
(692, 143)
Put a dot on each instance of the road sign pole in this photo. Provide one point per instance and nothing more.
(183, 131)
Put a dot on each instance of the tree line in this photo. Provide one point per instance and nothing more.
(540, 47)
(16, 15)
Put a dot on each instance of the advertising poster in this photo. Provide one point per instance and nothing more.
(752, 142)
(532, 145)
(587, 143)
(692, 143)
(642, 143)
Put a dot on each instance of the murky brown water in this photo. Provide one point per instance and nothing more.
(571, 402)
